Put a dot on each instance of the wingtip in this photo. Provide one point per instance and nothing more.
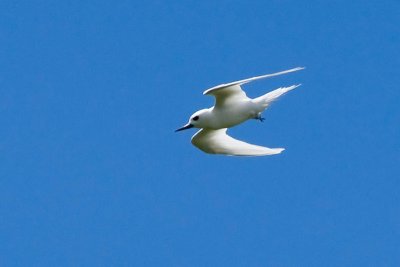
(292, 87)
(294, 69)
(269, 152)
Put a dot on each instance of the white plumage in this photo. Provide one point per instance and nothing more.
(232, 107)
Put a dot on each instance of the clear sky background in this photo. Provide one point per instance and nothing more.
(92, 173)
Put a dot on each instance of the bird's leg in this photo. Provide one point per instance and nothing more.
(261, 119)
(258, 117)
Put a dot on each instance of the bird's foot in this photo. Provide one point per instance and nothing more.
(260, 118)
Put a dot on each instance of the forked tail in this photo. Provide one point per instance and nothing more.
(270, 97)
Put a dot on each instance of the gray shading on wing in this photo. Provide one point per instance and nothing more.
(218, 142)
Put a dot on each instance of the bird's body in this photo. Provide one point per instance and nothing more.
(232, 107)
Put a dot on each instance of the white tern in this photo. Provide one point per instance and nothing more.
(232, 107)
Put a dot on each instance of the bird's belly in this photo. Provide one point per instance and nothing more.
(230, 118)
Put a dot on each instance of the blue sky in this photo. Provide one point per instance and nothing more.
(92, 173)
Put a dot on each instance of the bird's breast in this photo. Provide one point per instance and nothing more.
(231, 116)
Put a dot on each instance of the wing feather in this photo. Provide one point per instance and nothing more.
(218, 142)
(213, 90)
(231, 93)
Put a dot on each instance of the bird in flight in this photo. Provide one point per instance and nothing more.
(232, 107)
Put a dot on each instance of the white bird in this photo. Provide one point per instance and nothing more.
(232, 107)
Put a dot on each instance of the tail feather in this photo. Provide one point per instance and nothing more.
(270, 97)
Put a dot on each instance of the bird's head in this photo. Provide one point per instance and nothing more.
(197, 120)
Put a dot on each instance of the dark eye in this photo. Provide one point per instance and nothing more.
(195, 118)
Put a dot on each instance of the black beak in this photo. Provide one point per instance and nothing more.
(187, 126)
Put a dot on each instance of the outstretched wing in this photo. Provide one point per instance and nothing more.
(218, 142)
(232, 92)
(229, 95)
